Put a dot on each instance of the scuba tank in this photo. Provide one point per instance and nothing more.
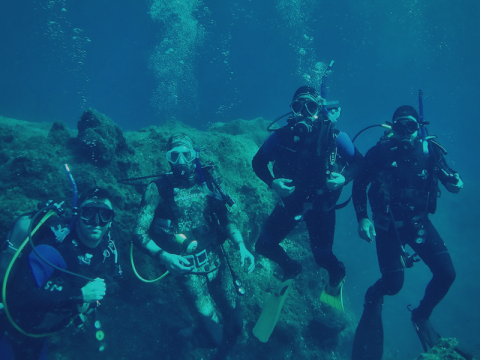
(17, 234)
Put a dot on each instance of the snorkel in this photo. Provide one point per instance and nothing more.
(423, 130)
(74, 197)
(323, 87)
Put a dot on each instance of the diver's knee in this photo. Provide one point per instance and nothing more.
(393, 282)
(214, 331)
(262, 245)
(448, 276)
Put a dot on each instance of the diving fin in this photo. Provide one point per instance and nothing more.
(271, 311)
(333, 296)
(368, 339)
(429, 338)
(426, 333)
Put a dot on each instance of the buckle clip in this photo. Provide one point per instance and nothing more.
(201, 258)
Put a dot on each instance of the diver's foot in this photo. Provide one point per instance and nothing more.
(336, 275)
(425, 331)
(335, 288)
(293, 269)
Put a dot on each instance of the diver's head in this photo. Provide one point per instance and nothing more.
(305, 104)
(405, 126)
(95, 216)
(181, 156)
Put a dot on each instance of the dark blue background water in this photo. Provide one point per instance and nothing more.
(247, 63)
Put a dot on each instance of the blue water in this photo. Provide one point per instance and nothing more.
(145, 62)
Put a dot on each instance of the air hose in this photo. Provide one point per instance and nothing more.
(138, 275)
(7, 273)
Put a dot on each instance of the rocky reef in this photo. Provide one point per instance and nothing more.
(139, 322)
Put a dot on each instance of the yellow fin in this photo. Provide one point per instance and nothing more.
(271, 311)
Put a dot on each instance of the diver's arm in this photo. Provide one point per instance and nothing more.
(348, 152)
(234, 235)
(360, 184)
(354, 168)
(144, 219)
(264, 156)
(26, 296)
(151, 200)
(447, 176)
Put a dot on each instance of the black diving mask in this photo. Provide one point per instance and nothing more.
(405, 126)
(310, 105)
(96, 215)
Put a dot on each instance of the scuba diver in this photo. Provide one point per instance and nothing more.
(403, 170)
(313, 161)
(44, 299)
(183, 222)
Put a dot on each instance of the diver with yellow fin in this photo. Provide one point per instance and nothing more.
(312, 163)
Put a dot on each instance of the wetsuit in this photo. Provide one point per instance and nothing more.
(188, 209)
(42, 300)
(307, 162)
(403, 191)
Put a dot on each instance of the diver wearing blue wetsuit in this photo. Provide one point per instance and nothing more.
(404, 175)
(312, 163)
(42, 300)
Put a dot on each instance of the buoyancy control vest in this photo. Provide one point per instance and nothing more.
(407, 182)
(188, 213)
(308, 162)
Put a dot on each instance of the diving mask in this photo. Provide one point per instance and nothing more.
(305, 106)
(179, 153)
(405, 125)
(96, 215)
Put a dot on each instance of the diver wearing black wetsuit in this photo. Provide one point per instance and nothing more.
(403, 191)
(312, 163)
(42, 300)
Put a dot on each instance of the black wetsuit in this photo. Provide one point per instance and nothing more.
(42, 304)
(403, 191)
(308, 163)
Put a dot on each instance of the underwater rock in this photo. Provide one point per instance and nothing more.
(59, 133)
(99, 139)
(31, 171)
(326, 329)
(255, 129)
(446, 349)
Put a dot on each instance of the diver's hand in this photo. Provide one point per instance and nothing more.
(455, 187)
(278, 185)
(335, 181)
(334, 114)
(174, 263)
(366, 230)
(95, 290)
(245, 254)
